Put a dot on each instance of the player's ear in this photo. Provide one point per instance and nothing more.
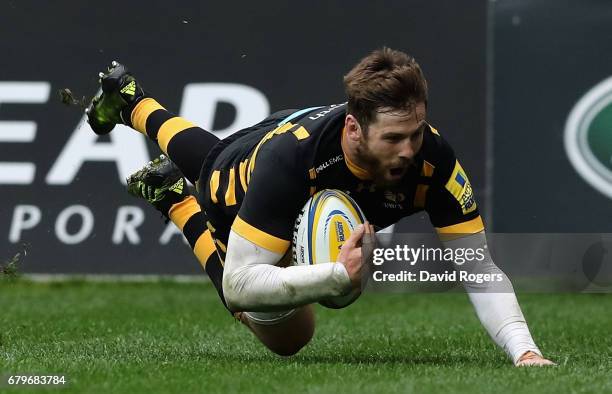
(352, 127)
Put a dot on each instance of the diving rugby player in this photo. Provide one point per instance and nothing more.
(252, 185)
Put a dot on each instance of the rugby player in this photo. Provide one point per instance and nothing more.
(378, 147)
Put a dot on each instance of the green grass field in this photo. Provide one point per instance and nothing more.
(171, 337)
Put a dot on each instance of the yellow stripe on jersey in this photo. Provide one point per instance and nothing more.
(169, 129)
(420, 195)
(461, 229)
(214, 185)
(312, 174)
(259, 237)
(180, 212)
(279, 130)
(204, 248)
(301, 133)
(230, 193)
(242, 172)
(141, 112)
(428, 169)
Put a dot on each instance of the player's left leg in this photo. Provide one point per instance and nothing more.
(161, 183)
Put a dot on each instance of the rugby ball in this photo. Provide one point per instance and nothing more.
(324, 224)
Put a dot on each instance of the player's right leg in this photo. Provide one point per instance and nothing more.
(123, 101)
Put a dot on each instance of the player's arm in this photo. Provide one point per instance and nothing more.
(251, 281)
(453, 211)
(260, 237)
(496, 304)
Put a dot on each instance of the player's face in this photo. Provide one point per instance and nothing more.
(391, 143)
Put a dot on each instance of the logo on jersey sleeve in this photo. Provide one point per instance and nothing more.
(459, 186)
(329, 163)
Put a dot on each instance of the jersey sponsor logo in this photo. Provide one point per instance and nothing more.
(329, 163)
(395, 197)
(459, 186)
(392, 205)
(394, 200)
(588, 140)
(321, 114)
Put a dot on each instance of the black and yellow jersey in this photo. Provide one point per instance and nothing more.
(256, 181)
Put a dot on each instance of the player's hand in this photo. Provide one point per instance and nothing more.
(531, 359)
(351, 253)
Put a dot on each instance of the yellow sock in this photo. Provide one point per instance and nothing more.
(141, 112)
(188, 217)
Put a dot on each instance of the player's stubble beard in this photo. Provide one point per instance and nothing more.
(375, 166)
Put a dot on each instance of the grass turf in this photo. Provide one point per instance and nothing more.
(171, 337)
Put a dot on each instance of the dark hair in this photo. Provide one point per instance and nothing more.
(386, 80)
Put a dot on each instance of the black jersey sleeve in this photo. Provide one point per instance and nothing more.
(277, 190)
(450, 200)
